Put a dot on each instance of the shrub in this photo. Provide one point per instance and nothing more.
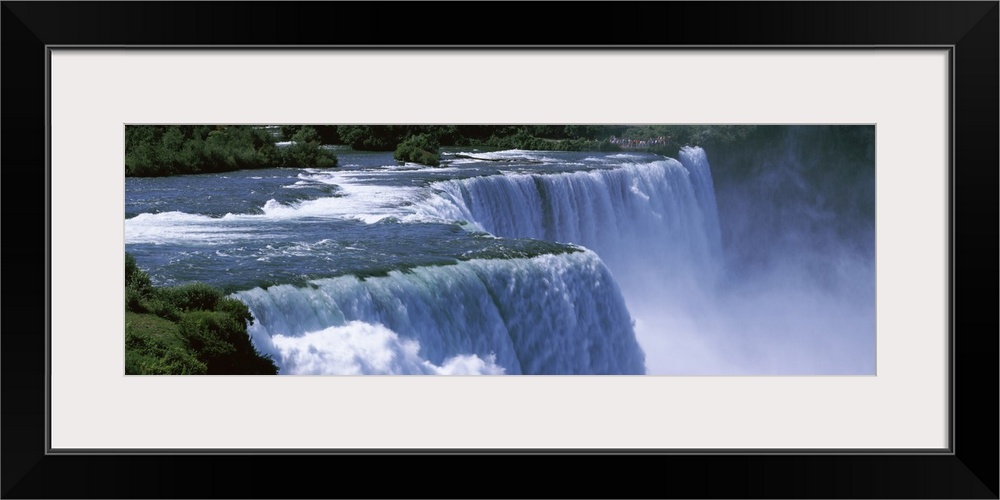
(134, 301)
(206, 335)
(162, 308)
(306, 151)
(171, 361)
(156, 150)
(371, 137)
(135, 277)
(421, 148)
(211, 330)
(138, 287)
(146, 356)
(192, 297)
(235, 309)
(221, 342)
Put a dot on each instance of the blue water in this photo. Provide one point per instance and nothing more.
(498, 262)
(263, 227)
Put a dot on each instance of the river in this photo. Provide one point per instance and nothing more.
(497, 262)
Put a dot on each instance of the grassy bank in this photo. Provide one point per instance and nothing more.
(186, 330)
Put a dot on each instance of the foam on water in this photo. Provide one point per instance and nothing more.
(369, 203)
(551, 314)
(359, 348)
(654, 224)
(508, 155)
(172, 227)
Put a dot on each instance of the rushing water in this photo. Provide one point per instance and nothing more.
(508, 262)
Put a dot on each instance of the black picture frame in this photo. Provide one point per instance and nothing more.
(968, 470)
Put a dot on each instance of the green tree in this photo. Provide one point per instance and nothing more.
(159, 150)
(306, 151)
(422, 148)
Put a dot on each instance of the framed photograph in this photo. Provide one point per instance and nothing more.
(728, 252)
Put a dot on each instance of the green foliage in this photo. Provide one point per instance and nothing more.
(289, 131)
(134, 301)
(327, 133)
(306, 151)
(235, 309)
(583, 145)
(146, 355)
(208, 335)
(162, 307)
(135, 278)
(420, 148)
(607, 145)
(516, 138)
(168, 150)
(389, 137)
(592, 132)
(373, 137)
(550, 138)
(187, 329)
(192, 297)
(221, 342)
(158, 150)
(138, 287)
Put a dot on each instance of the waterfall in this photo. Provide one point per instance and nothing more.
(654, 224)
(550, 314)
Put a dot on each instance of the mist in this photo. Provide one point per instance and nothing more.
(750, 255)
(796, 292)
